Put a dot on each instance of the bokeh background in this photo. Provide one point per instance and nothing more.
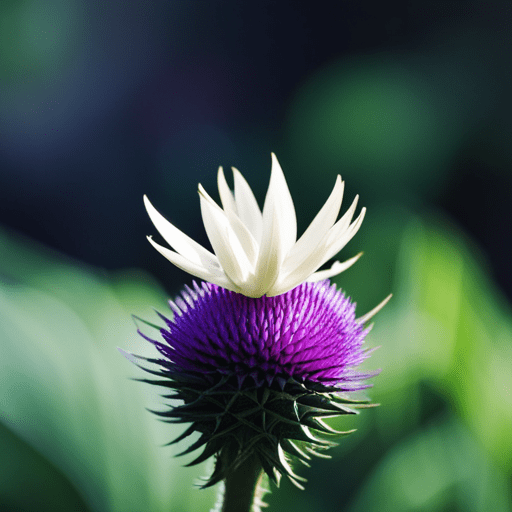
(101, 102)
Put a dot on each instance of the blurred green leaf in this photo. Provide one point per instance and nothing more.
(460, 336)
(65, 389)
(439, 468)
(28, 479)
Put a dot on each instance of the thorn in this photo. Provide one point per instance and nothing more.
(363, 319)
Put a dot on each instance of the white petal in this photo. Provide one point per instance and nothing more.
(226, 196)
(329, 246)
(278, 198)
(243, 234)
(180, 242)
(247, 241)
(270, 256)
(363, 319)
(225, 243)
(321, 224)
(194, 269)
(335, 242)
(299, 274)
(325, 250)
(345, 221)
(247, 206)
(337, 268)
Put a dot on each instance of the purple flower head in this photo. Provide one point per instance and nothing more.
(256, 375)
(309, 334)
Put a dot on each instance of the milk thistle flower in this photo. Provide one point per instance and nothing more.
(265, 348)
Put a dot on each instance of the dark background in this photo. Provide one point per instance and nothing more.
(104, 102)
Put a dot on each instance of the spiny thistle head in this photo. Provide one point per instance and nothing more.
(266, 349)
(257, 375)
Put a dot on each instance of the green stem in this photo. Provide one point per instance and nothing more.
(243, 491)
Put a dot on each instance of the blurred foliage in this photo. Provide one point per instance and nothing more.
(378, 118)
(66, 396)
(437, 468)
(74, 425)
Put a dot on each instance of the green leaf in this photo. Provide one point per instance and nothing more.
(66, 391)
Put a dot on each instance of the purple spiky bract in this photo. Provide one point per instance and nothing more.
(309, 333)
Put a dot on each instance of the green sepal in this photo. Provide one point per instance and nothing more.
(278, 422)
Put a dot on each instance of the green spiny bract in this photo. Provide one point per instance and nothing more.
(277, 423)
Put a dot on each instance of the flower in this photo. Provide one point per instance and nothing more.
(257, 375)
(257, 253)
(266, 348)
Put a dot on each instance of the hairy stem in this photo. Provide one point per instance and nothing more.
(243, 491)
